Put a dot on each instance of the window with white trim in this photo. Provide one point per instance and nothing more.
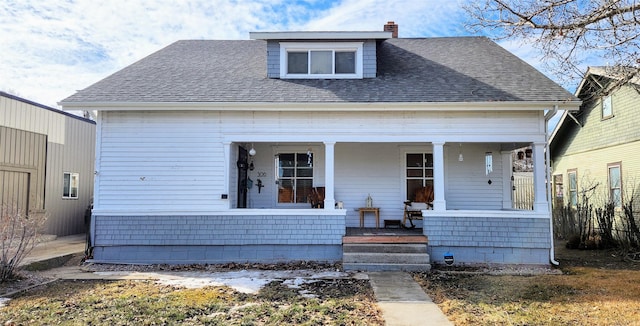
(418, 173)
(321, 60)
(607, 107)
(70, 183)
(295, 177)
(615, 184)
(558, 188)
(573, 187)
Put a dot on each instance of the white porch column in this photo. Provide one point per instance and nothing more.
(439, 203)
(507, 189)
(329, 172)
(539, 167)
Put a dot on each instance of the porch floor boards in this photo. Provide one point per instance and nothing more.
(373, 235)
(382, 231)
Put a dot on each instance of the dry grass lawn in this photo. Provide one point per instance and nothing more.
(596, 288)
(337, 302)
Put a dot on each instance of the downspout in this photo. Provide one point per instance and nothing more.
(547, 117)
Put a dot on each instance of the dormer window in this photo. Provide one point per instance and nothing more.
(321, 60)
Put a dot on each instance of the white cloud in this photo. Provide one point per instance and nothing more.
(415, 18)
(52, 48)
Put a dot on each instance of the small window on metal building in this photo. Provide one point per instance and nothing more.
(70, 185)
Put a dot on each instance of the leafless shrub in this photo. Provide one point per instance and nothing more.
(565, 223)
(18, 236)
(630, 220)
(596, 222)
(606, 216)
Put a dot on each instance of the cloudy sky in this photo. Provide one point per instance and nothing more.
(51, 48)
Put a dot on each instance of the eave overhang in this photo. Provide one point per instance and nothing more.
(323, 106)
(320, 35)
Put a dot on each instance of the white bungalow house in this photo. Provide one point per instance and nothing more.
(207, 150)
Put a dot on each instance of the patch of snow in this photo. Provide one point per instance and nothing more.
(295, 283)
(242, 281)
(307, 294)
(3, 302)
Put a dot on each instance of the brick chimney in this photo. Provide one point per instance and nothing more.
(392, 27)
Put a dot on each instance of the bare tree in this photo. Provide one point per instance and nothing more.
(568, 32)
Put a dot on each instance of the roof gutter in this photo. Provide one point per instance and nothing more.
(547, 117)
(326, 106)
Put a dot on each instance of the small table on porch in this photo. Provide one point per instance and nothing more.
(375, 210)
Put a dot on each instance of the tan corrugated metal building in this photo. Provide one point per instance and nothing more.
(46, 163)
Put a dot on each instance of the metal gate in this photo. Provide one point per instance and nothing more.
(523, 193)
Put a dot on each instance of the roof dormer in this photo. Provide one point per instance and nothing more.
(321, 55)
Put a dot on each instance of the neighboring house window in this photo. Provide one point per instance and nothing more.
(418, 173)
(615, 184)
(321, 60)
(573, 187)
(70, 185)
(295, 177)
(558, 188)
(607, 107)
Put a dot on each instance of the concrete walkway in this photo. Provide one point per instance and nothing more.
(403, 302)
(56, 248)
(401, 299)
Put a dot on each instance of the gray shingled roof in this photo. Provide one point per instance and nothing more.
(453, 69)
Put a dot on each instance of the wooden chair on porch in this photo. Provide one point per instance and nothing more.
(413, 209)
(316, 198)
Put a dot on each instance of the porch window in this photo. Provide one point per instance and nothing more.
(419, 173)
(615, 184)
(70, 185)
(573, 187)
(295, 177)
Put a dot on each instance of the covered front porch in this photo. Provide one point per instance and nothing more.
(464, 176)
(472, 216)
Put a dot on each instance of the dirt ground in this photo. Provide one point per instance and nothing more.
(604, 258)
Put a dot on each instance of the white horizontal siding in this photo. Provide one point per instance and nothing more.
(467, 185)
(164, 159)
(347, 125)
(160, 160)
(363, 169)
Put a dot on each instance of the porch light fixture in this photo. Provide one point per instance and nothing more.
(252, 153)
(460, 157)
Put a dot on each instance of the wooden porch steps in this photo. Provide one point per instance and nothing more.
(375, 253)
(385, 239)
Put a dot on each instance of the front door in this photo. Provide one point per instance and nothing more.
(243, 165)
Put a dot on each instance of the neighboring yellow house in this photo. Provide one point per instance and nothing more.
(596, 150)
